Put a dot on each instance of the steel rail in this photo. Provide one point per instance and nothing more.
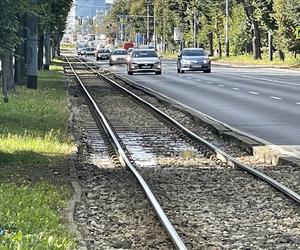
(126, 162)
(220, 154)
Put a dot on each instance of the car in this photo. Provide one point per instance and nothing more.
(88, 51)
(118, 56)
(102, 54)
(193, 59)
(144, 60)
(80, 51)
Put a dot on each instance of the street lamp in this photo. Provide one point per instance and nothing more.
(148, 3)
(226, 29)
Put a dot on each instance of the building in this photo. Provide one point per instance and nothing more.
(108, 6)
(88, 8)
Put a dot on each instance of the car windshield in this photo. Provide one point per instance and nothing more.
(199, 52)
(89, 49)
(119, 52)
(104, 51)
(144, 53)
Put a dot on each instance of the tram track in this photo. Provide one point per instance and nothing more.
(179, 159)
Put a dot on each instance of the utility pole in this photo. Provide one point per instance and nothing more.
(154, 27)
(195, 29)
(32, 45)
(226, 29)
(148, 28)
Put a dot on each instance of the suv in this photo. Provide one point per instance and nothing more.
(102, 54)
(193, 59)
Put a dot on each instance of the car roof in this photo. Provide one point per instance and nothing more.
(192, 49)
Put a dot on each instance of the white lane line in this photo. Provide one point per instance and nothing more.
(276, 97)
(235, 88)
(198, 80)
(253, 93)
(298, 103)
(209, 82)
(221, 85)
(190, 78)
(262, 79)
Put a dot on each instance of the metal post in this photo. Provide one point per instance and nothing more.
(226, 29)
(148, 33)
(154, 27)
(194, 31)
(32, 45)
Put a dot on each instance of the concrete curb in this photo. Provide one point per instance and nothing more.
(82, 245)
(258, 147)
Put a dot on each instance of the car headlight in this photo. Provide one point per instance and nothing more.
(206, 61)
(185, 61)
(114, 58)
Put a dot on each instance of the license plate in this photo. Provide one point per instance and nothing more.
(196, 66)
(146, 67)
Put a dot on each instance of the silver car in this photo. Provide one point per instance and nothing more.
(193, 59)
(118, 56)
(102, 54)
(144, 60)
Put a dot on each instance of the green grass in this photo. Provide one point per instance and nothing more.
(34, 148)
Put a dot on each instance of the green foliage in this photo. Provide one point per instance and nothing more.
(30, 217)
(33, 146)
(11, 13)
(32, 127)
(280, 16)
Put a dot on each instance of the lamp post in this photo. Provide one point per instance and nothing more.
(226, 28)
(148, 3)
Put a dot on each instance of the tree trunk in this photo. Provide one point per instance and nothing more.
(11, 81)
(256, 44)
(256, 41)
(211, 44)
(5, 76)
(47, 50)
(20, 77)
(41, 50)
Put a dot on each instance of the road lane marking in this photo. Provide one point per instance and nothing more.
(221, 85)
(253, 93)
(298, 103)
(235, 88)
(209, 82)
(276, 97)
(198, 80)
(190, 78)
(263, 79)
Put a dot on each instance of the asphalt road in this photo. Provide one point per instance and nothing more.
(264, 102)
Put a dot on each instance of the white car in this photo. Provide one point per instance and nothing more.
(118, 56)
(144, 60)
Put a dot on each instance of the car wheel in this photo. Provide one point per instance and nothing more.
(158, 72)
(129, 72)
(181, 71)
(97, 58)
(207, 71)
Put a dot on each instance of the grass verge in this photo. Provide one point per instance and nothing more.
(34, 148)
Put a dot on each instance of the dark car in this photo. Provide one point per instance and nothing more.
(102, 54)
(193, 59)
